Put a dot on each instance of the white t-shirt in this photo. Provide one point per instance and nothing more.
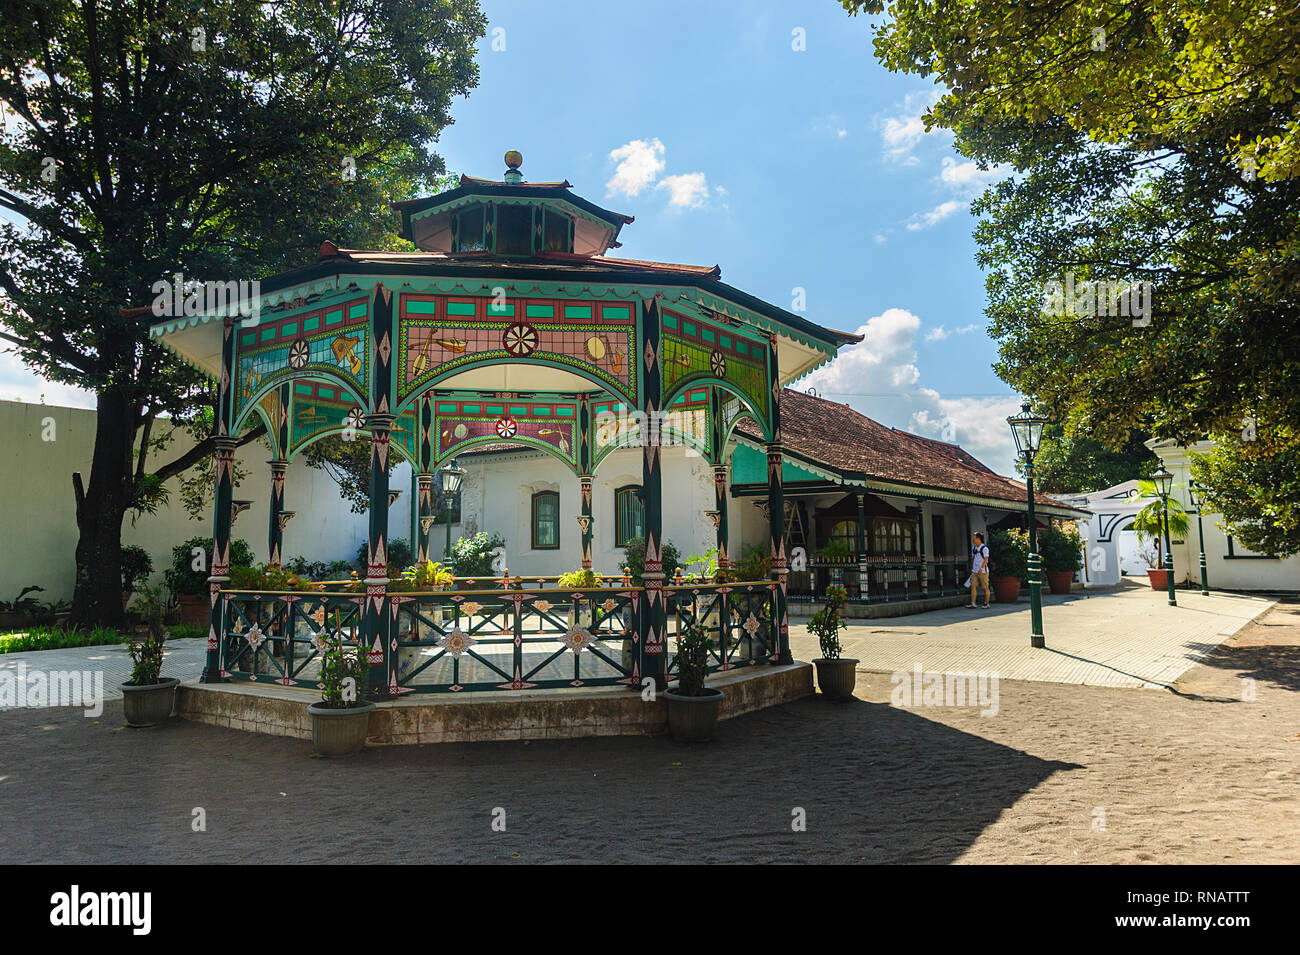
(979, 557)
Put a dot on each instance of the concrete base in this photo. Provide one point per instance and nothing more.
(478, 717)
(901, 608)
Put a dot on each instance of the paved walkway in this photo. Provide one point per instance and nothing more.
(182, 659)
(1127, 637)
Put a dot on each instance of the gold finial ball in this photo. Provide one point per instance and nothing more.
(514, 158)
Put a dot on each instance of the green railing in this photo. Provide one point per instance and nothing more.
(453, 641)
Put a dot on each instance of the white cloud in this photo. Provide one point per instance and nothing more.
(966, 178)
(639, 163)
(902, 132)
(862, 375)
(841, 133)
(20, 383)
(937, 334)
(687, 191)
(924, 220)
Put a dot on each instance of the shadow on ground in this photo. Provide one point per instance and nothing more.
(877, 784)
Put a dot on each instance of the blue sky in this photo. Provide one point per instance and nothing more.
(790, 168)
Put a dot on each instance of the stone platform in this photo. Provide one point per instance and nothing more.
(498, 715)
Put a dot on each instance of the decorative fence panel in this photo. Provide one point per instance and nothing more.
(277, 637)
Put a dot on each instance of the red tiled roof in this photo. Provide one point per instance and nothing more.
(837, 437)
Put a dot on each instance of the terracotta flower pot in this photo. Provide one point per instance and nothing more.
(1006, 589)
(1159, 579)
(194, 609)
(1060, 581)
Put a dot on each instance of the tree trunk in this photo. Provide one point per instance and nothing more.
(101, 506)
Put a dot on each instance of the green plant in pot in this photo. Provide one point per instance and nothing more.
(148, 698)
(836, 675)
(693, 708)
(1150, 525)
(137, 565)
(187, 577)
(1008, 563)
(1062, 549)
(340, 720)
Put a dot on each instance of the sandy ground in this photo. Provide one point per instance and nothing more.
(1199, 775)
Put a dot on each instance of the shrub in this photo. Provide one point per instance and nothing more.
(1062, 547)
(320, 569)
(756, 564)
(472, 556)
(580, 580)
(692, 661)
(634, 560)
(343, 672)
(421, 577)
(182, 578)
(1009, 553)
(58, 638)
(266, 577)
(827, 622)
(137, 565)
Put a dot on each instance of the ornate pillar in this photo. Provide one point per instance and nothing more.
(864, 571)
(426, 517)
(275, 529)
(378, 633)
(219, 565)
(654, 615)
(776, 517)
(720, 505)
(924, 579)
(585, 520)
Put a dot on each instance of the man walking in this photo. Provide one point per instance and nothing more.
(979, 569)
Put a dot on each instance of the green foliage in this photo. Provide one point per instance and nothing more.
(137, 565)
(580, 580)
(1061, 545)
(634, 560)
(146, 657)
(693, 660)
(23, 603)
(429, 575)
(58, 638)
(1079, 463)
(1009, 553)
(472, 556)
(343, 672)
(320, 569)
(1168, 154)
(400, 555)
(183, 578)
(185, 631)
(838, 550)
(1255, 487)
(828, 621)
(268, 578)
(1148, 522)
(756, 564)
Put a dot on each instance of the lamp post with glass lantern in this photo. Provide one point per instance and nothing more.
(1027, 429)
(1196, 500)
(452, 476)
(1164, 482)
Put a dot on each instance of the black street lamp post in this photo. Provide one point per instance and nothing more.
(1027, 429)
(452, 476)
(1193, 495)
(1164, 482)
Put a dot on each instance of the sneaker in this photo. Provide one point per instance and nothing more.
(986, 606)
(972, 606)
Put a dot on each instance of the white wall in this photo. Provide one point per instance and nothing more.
(37, 514)
(497, 493)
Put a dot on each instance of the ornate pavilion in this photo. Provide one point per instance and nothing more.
(511, 323)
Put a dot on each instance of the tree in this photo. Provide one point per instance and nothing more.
(1080, 463)
(1151, 521)
(145, 139)
(1150, 146)
(1254, 485)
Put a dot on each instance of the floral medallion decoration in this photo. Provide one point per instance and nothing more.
(752, 625)
(609, 605)
(469, 608)
(577, 639)
(255, 637)
(506, 428)
(520, 339)
(457, 642)
(542, 606)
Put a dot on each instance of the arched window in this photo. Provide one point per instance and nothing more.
(546, 520)
(629, 514)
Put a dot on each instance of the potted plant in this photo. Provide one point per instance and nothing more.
(1062, 548)
(693, 707)
(147, 698)
(340, 720)
(187, 577)
(137, 565)
(580, 614)
(836, 675)
(1008, 563)
(1150, 525)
